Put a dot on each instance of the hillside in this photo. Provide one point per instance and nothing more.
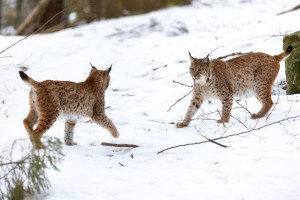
(148, 52)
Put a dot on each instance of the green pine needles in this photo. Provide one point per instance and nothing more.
(23, 170)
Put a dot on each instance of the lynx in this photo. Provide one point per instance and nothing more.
(50, 99)
(253, 73)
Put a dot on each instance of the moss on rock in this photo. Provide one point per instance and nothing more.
(292, 63)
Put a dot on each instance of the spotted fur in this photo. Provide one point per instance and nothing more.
(248, 74)
(50, 99)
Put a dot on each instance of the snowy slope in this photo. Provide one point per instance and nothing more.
(148, 52)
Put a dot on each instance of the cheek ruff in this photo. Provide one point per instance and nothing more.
(202, 80)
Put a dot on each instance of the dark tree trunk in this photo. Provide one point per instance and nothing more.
(43, 16)
(105, 9)
(95, 10)
(53, 14)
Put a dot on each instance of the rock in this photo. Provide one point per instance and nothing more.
(292, 63)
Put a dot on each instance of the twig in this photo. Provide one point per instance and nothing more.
(243, 123)
(210, 140)
(179, 100)
(182, 74)
(244, 107)
(159, 67)
(290, 10)
(119, 145)
(35, 32)
(151, 120)
(181, 83)
(231, 135)
(234, 54)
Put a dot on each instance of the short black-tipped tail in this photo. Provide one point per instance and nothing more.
(281, 56)
(23, 76)
(29, 81)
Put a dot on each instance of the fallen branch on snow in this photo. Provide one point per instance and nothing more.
(217, 143)
(231, 135)
(119, 145)
(290, 10)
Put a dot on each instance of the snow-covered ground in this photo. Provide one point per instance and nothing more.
(148, 52)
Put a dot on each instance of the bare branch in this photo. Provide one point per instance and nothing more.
(159, 67)
(234, 54)
(35, 32)
(232, 135)
(179, 100)
(210, 140)
(244, 107)
(119, 145)
(290, 10)
(181, 83)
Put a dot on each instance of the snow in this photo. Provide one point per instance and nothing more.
(263, 164)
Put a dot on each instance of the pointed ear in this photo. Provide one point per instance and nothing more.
(93, 67)
(191, 57)
(206, 60)
(109, 69)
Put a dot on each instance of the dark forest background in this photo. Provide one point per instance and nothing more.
(23, 17)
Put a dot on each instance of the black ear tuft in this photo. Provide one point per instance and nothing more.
(206, 60)
(191, 57)
(109, 69)
(93, 67)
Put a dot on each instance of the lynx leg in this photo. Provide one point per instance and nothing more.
(30, 121)
(226, 109)
(267, 103)
(48, 113)
(195, 104)
(31, 118)
(69, 132)
(105, 122)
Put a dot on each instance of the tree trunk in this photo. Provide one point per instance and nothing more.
(95, 10)
(45, 15)
(105, 9)
(292, 63)
(53, 14)
(113, 8)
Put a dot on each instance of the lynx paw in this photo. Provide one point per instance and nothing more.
(255, 116)
(115, 134)
(182, 124)
(38, 145)
(69, 143)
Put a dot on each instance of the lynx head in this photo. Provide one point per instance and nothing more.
(100, 77)
(200, 70)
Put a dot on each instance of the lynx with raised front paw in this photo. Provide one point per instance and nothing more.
(254, 73)
(49, 99)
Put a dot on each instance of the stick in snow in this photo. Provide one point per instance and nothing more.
(119, 145)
